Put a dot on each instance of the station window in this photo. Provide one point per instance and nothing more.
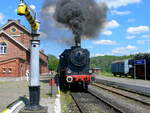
(9, 70)
(4, 70)
(3, 48)
(13, 29)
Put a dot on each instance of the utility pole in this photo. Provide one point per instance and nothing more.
(34, 82)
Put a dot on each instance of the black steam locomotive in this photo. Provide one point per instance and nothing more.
(74, 68)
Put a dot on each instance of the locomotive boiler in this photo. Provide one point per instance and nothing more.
(74, 69)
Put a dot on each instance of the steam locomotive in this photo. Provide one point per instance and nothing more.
(74, 70)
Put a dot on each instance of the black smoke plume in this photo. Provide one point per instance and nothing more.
(84, 17)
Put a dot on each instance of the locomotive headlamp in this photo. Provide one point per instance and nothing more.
(69, 79)
(90, 71)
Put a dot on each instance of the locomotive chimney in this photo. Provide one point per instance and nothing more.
(77, 41)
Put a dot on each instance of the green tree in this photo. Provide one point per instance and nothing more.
(52, 62)
(104, 62)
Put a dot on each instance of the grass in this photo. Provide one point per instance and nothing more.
(105, 74)
(66, 101)
(45, 90)
(109, 74)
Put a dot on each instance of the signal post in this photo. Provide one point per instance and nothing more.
(34, 82)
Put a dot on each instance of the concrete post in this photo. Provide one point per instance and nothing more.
(34, 82)
(34, 77)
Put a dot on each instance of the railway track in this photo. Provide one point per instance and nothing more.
(127, 102)
(105, 99)
(131, 95)
(89, 102)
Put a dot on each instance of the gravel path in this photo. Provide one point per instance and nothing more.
(11, 91)
(46, 99)
(136, 82)
(138, 86)
(13, 88)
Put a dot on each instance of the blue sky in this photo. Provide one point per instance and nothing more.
(127, 30)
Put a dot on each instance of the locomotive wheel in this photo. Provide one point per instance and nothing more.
(74, 87)
(85, 87)
(63, 85)
(115, 75)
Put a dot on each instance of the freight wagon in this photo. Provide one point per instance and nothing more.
(123, 67)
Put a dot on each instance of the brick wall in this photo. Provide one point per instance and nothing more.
(44, 57)
(21, 57)
(20, 34)
(9, 68)
(13, 50)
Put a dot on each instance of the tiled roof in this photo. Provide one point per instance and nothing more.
(17, 22)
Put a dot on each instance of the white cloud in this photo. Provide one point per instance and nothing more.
(89, 47)
(43, 35)
(112, 24)
(115, 12)
(124, 50)
(130, 37)
(107, 32)
(49, 10)
(2, 18)
(138, 30)
(119, 3)
(129, 47)
(105, 42)
(32, 6)
(146, 36)
(101, 54)
(131, 20)
(140, 41)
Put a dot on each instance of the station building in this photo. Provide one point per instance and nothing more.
(96, 70)
(15, 52)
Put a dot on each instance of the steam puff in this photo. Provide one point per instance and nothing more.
(81, 17)
(84, 17)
